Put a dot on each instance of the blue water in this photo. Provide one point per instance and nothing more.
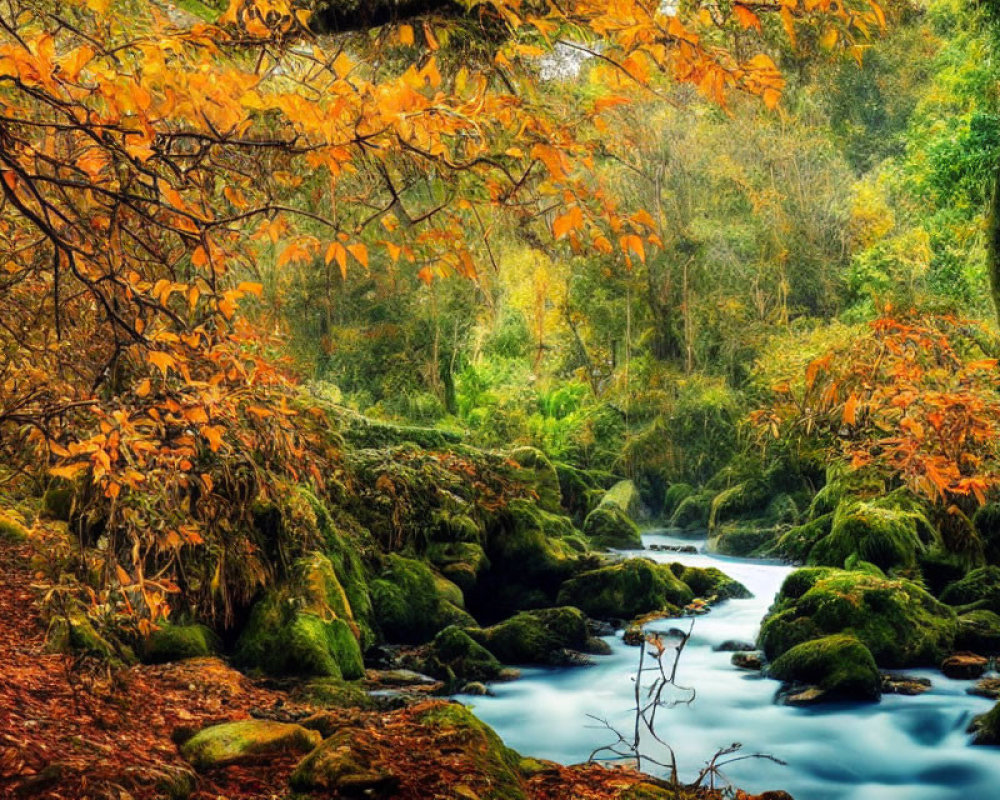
(903, 748)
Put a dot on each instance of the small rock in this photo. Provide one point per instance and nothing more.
(598, 647)
(733, 646)
(904, 684)
(475, 688)
(753, 660)
(598, 627)
(399, 677)
(246, 741)
(634, 635)
(803, 697)
(964, 666)
(986, 687)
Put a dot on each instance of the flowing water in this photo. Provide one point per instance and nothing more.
(903, 748)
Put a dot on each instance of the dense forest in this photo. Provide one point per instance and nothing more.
(388, 385)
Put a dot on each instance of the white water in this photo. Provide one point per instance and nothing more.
(903, 748)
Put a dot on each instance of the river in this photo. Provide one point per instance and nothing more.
(902, 748)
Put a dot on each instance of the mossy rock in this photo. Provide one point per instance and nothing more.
(980, 589)
(939, 568)
(452, 526)
(58, 500)
(333, 693)
(475, 743)
(345, 764)
(454, 655)
(979, 631)
(610, 526)
(713, 582)
(987, 524)
(581, 491)
(897, 620)
(536, 637)
(74, 633)
(736, 539)
(460, 562)
(172, 642)
(246, 742)
(411, 604)
(625, 590)
(885, 536)
(737, 501)
(782, 510)
(985, 728)
(840, 665)
(796, 543)
(540, 475)
(692, 512)
(675, 494)
(841, 483)
(11, 530)
(361, 432)
(282, 638)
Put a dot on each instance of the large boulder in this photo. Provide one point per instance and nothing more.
(247, 741)
(346, 764)
(304, 627)
(460, 562)
(609, 525)
(980, 589)
(454, 655)
(898, 621)
(411, 603)
(979, 631)
(839, 665)
(985, 728)
(877, 531)
(625, 590)
(537, 637)
(535, 469)
(708, 582)
(796, 543)
(692, 512)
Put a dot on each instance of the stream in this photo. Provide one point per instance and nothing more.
(902, 748)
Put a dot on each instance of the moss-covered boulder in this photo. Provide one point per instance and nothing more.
(411, 603)
(980, 589)
(985, 728)
(540, 475)
(897, 620)
(736, 501)
(11, 530)
(796, 543)
(741, 539)
(454, 655)
(979, 631)
(843, 482)
(537, 637)
(986, 521)
(625, 590)
(345, 764)
(692, 512)
(332, 693)
(876, 532)
(675, 494)
(840, 665)
(581, 490)
(492, 768)
(460, 562)
(172, 642)
(246, 742)
(612, 523)
(709, 582)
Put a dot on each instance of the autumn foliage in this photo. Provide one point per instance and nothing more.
(915, 399)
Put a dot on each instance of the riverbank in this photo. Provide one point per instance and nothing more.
(73, 729)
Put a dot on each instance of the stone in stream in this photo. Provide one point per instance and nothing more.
(985, 728)
(734, 646)
(986, 687)
(964, 666)
(904, 685)
(752, 660)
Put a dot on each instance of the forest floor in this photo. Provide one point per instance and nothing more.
(74, 729)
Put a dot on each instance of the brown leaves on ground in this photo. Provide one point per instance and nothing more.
(70, 730)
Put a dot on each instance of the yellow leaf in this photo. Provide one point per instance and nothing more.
(251, 287)
(406, 35)
(360, 252)
(160, 360)
(213, 435)
(829, 38)
(746, 17)
(69, 471)
(142, 390)
(851, 410)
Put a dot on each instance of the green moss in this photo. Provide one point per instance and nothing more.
(987, 523)
(712, 582)
(343, 764)
(362, 432)
(460, 562)
(57, 502)
(898, 621)
(536, 637)
(979, 631)
(736, 539)
(199, 9)
(538, 472)
(736, 501)
(621, 591)
(887, 537)
(177, 642)
(481, 747)
(624, 495)
(980, 589)
(609, 526)
(940, 568)
(840, 665)
(247, 741)
(797, 543)
(692, 512)
(842, 482)
(782, 510)
(985, 728)
(411, 604)
(451, 526)
(454, 655)
(333, 693)
(676, 493)
(11, 530)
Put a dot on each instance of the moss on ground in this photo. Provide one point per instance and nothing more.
(177, 642)
(11, 530)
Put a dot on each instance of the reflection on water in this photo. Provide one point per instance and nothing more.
(903, 748)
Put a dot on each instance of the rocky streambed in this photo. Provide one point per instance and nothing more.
(912, 747)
